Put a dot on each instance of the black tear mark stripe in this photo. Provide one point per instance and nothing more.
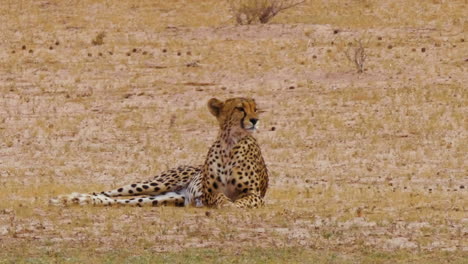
(242, 120)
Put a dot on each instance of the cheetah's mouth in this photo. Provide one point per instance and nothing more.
(251, 128)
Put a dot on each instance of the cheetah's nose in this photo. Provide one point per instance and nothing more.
(253, 121)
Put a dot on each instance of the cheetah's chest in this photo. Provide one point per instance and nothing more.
(220, 166)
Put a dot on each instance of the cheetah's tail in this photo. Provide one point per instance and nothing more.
(81, 199)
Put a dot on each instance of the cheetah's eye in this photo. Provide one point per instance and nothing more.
(240, 109)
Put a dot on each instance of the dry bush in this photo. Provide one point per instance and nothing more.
(259, 11)
(356, 54)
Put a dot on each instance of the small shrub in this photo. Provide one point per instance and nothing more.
(357, 54)
(259, 11)
(99, 39)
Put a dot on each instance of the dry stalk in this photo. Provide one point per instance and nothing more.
(357, 55)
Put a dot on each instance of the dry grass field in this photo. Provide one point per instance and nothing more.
(365, 168)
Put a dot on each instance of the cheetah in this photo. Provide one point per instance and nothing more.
(234, 173)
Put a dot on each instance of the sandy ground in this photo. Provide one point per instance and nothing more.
(371, 161)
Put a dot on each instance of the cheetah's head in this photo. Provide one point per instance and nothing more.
(237, 113)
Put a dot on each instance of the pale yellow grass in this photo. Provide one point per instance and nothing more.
(364, 168)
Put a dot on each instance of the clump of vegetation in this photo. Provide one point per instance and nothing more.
(356, 54)
(259, 11)
(99, 39)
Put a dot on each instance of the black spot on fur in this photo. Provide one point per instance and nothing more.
(139, 189)
(145, 187)
(120, 190)
(130, 191)
(153, 184)
(133, 185)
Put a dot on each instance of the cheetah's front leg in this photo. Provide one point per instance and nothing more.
(250, 200)
(220, 200)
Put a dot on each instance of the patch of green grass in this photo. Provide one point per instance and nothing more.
(253, 255)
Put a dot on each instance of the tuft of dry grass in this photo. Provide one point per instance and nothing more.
(249, 12)
(99, 39)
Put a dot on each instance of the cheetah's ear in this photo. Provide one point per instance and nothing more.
(215, 106)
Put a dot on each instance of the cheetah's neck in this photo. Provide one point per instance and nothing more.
(230, 135)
